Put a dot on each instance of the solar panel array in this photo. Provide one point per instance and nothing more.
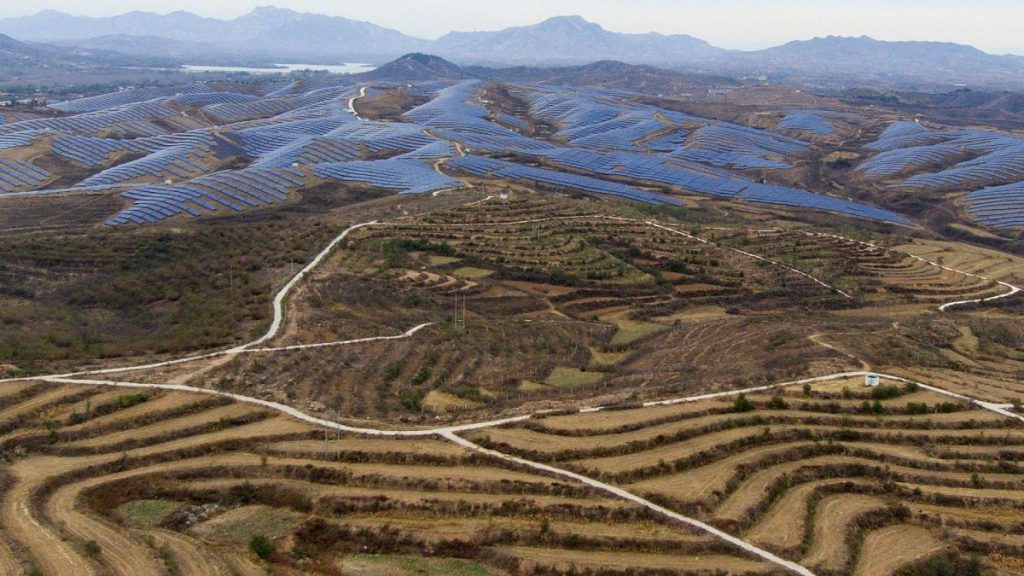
(19, 175)
(406, 175)
(999, 206)
(234, 190)
(903, 134)
(893, 162)
(456, 114)
(812, 121)
(969, 158)
(988, 164)
(126, 96)
(180, 162)
(301, 132)
(150, 118)
(481, 166)
(785, 196)
(724, 144)
(19, 139)
(229, 112)
(1005, 165)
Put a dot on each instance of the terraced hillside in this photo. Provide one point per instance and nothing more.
(841, 480)
(532, 297)
(837, 479)
(149, 482)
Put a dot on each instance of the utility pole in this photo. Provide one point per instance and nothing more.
(459, 318)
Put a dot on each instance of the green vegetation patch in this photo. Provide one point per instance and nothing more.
(394, 565)
(238, 526)
(472, 273)
(144, 513)
(631, 330)
(564, 376)
(436, 260)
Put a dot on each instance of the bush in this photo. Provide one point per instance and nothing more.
(93, 549)
(886, 392)
(742, 404)
(917, 408)
(261, 546)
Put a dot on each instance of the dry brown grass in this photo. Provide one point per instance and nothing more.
(701, 483)
(783, 525)
(609, 419)
(162, 428)
(887, 550)
(190, 556)
(562, 560)
(829, 550)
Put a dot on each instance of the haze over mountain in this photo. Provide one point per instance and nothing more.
(15, 54)
(271, 32)
(276, 35)
(867, 56)
(570, 40)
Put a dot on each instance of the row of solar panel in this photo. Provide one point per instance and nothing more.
(234, 190)
(19, 175)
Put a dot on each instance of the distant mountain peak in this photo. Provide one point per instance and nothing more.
(573, 22)
(417, 66)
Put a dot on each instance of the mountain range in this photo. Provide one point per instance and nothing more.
(269, 34)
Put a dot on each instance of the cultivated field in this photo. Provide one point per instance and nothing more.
(99, 481)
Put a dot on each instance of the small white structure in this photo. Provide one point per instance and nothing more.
(872, 381)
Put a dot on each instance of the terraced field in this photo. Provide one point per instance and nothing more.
(841, 480)
(99, 481)
(836, 478)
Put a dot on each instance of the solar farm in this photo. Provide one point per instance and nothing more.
(322, 325)
(174, 153)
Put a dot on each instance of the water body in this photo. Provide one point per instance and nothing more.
(351, 68)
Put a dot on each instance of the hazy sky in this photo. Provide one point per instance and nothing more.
(992, 25)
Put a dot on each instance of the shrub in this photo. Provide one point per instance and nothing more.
(261, 546)
(917, 408)
(886, 392)
(777, 403)
(93, 549)
(742, 404)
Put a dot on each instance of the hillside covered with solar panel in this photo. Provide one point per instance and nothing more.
(206, 149)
